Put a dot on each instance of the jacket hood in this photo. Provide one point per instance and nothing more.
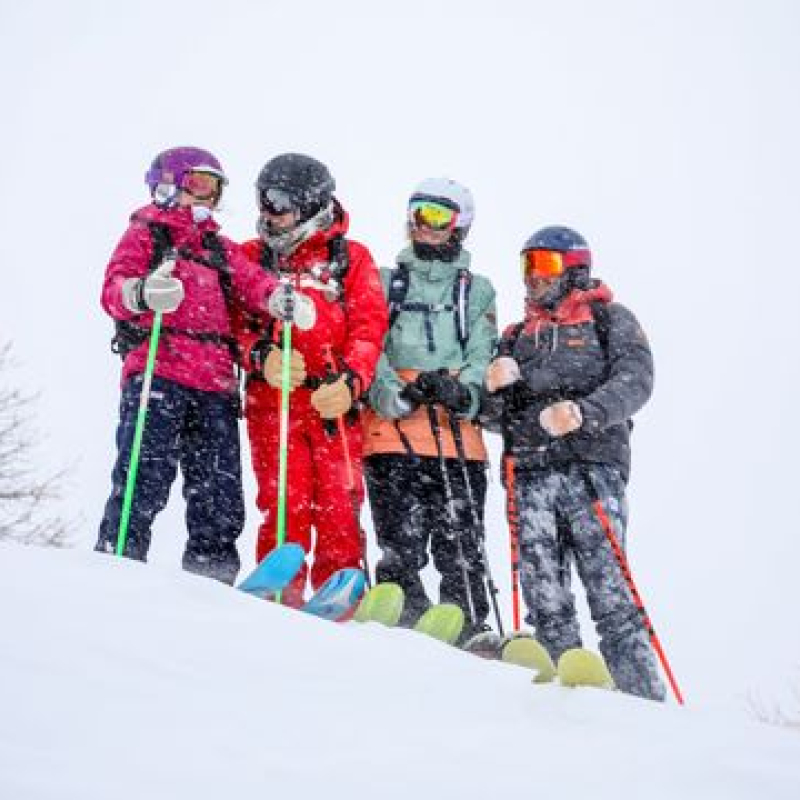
(574, 308)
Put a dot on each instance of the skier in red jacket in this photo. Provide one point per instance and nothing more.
(302, 229)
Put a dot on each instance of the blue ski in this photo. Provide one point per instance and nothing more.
(338, 598)
(275, 571)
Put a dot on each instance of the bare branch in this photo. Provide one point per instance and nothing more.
(773, 713)
(24, 496)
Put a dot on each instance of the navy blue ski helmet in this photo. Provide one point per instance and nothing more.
(561, 240)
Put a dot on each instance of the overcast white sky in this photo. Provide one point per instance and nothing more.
(665, 132)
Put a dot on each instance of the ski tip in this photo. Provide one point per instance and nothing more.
(338, 598)
(444, 621)
(525, 651)
(581, 667)
(383, 603)
(274, 571)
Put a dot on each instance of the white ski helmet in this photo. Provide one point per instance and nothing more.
(452, 193)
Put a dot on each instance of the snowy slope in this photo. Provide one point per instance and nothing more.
(664, 132)
(129, 681)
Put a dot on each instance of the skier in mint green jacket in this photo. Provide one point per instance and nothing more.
(427, 486)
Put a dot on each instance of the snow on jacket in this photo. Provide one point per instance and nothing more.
(407, 353)
(349, 327)
(205, 365)
(561, 357)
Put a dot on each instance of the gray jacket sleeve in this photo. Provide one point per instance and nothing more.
(629, 379)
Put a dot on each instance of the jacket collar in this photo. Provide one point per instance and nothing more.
(434, 271)
(574, 308)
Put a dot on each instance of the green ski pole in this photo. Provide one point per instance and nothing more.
(141, 418)
(286, 362)
(286, 372)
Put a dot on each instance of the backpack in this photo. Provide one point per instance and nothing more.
(128, 335)
(398, 290)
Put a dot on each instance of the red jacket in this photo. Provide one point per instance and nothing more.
(350, 327)
(198, 364)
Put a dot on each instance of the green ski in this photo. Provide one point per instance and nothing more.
(525, 651)
(444, 621)
(382, 603)
(581, 667)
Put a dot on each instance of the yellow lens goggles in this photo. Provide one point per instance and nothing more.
(432, 215)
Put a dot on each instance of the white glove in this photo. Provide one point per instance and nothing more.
(159, 291)
(290, 306)
(500, 373)
(561, 418)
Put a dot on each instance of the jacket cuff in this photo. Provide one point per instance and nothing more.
(354, 382)
(594, 420)
(258, 354)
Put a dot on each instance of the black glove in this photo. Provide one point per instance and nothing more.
(441, 387)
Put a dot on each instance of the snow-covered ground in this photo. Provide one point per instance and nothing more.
(127, 681)
(664, 132)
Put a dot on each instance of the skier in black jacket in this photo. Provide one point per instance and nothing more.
(562, 390)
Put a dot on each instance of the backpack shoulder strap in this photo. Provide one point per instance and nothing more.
(219, 261)
(338, 257)
(266, 259)
(461, 290)
(602, 323)
(161, 239)
(398, 289)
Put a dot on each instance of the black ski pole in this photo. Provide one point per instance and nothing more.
(478, 527)
(451, 508)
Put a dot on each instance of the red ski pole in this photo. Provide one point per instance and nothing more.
(351, 481)
(513, 531)
(626, 572)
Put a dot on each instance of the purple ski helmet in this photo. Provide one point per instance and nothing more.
(171, 166)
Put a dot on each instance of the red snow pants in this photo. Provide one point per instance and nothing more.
(318, 494)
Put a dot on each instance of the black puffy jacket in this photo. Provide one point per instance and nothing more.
(591, 351)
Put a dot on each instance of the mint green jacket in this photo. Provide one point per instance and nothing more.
(406, 345)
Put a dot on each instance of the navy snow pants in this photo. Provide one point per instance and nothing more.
(198, 431)
(559, 526)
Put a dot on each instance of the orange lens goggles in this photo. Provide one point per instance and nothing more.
(542, 264)
(202, 185)
(432, 215)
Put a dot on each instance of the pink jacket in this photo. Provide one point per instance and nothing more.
(198, 364)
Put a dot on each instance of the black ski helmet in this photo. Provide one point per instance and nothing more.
(563, 240)
(295, 182)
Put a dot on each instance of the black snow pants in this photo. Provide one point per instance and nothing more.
(410, 511)
(559, 525)
(198, 431)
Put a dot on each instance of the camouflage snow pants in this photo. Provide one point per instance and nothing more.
(559, 526)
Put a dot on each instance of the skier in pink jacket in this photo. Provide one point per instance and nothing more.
(172, 260)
